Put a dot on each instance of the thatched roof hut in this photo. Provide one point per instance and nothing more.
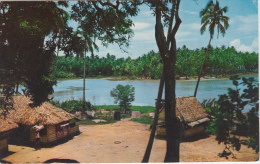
(46, 114)
(6, 124)
(6, 129)
(191, 114)
(50, 118)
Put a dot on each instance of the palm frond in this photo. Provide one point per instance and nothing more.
(205, 18)
(225, 20)
(212, 28)
(208, 7)
(222, 29)
(224, 9)
(203, 27)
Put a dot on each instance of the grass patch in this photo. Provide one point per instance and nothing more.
(143, 120)
(142, 109)
(110, 107)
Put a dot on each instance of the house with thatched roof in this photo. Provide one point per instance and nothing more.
(191, 114)
(7, 127)
(51, 122)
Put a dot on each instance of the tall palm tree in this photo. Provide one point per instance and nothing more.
(212, 16)
(89, 45)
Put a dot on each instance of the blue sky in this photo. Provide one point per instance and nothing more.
(242, 33)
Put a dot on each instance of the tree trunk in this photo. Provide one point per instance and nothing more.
(156, 116)
(173, 129)
(197, 85)
(169, 61)
(84, 77)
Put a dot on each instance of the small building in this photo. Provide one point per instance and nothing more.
(7, 127)
(52, 123)
(191, 114)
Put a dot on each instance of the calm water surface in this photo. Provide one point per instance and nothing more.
(98, 90)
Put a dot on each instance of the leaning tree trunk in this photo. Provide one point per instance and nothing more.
(197, 85)
(156, 116)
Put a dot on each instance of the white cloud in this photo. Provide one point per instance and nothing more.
(192, 13)
(192, 26)
(248, 23)
(140, 26)
(145, 36)
(242, 47)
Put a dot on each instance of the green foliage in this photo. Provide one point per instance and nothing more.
(123, 95)
(227, 112)
(30, 29)
(72, 105)
(223, 61)
(144, 120)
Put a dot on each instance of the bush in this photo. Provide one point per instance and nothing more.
(229, 108)
(123, 95)
(177, 77)
(133, 77)
(72, 105)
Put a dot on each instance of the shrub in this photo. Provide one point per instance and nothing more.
(123, 95)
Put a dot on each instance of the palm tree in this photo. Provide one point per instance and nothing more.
(89, 45)
(212, 16)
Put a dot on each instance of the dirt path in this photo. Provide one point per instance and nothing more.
(122, 142)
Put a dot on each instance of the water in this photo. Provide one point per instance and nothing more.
(98, 90)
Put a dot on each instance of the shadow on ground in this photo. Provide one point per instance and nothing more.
(196, 137)
(188, 139)
(3, 161)
(5, 155)
(55, 160)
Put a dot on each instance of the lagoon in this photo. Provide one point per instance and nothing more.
(98, 90)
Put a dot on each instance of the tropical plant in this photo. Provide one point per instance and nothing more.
(212, 16)
(123, 95)
(228, 112)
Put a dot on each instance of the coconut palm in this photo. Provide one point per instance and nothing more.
(212, 16)
(89, 45)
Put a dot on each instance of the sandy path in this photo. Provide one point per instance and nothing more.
(96, 145)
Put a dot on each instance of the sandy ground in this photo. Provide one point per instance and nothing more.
(123, 142)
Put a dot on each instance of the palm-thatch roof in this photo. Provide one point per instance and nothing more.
(189, 110)
(46, 114)
(6, 124)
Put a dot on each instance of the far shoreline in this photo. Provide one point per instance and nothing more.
(124, 78)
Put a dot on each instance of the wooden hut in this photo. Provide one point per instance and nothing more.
(191, 114)
(52, 123)
(7, 127)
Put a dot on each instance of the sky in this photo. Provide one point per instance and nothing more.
(242, 32)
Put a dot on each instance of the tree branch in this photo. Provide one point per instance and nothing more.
(159, 33)
(177, 19)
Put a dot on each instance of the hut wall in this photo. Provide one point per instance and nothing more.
(32, 136)
(43, 138)
(74, 129)
(65, 131)
(194, 131)
(3, 146)
(52, 133)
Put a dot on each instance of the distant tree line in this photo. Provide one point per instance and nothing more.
(223, 61)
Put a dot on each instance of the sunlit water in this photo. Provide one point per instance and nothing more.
(98, 90)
